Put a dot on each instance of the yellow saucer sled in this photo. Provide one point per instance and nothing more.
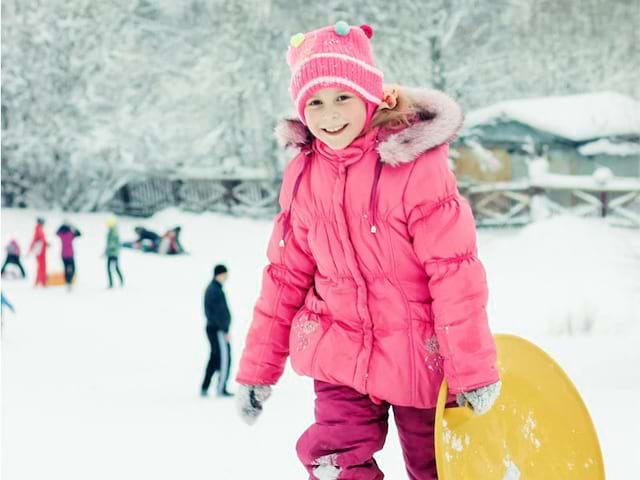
(539, 428)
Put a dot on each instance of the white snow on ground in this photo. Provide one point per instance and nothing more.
(104, 384)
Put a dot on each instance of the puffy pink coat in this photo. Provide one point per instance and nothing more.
(373, 280)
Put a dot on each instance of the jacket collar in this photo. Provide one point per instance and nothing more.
(438, 120)
(349, 155)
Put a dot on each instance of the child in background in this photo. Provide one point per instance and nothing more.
(170, 242)
(67, 234)
(112, 251)
(374, 288)
(13, 257)
(38, 247)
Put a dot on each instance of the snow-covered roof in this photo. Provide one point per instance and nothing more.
(574, 117)
(607, 147)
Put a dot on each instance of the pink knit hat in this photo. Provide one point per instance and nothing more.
(335, 56)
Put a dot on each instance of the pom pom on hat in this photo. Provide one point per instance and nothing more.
(342, 28)
(368, 31)
(296, 40)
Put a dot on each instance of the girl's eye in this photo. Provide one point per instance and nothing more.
(343, 98)
(313, 103)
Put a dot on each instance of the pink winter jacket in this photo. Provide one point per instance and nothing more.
(373, 280)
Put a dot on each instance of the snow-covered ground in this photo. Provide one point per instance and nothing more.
(100, 384)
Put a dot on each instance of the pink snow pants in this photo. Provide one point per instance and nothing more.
(350, 428)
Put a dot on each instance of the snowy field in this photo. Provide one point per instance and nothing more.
(103, 384)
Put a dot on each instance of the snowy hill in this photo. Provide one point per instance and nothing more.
(104, 384)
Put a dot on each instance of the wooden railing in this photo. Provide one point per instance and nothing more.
(253, 197)
(494, 204)
(520, 202)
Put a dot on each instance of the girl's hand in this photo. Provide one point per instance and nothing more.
(481, 399)
(250, 399)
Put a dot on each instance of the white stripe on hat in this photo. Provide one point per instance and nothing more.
(339, 56)
(340, 80)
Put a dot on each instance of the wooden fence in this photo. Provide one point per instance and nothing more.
(253, 197)
(521, 202)
(494, 204)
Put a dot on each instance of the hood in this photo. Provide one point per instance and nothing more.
(439, 118)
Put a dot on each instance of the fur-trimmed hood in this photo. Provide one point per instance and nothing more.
(439, 119)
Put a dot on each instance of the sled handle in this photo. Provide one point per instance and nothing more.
(455, 415)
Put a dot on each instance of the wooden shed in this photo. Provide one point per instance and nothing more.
(576, 134)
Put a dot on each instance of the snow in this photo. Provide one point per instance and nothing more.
(605, 146)
(599, 181)
(602, 179)
(327, 468)
(512, 472)
(326, 472)
(487, 160)
(574, 117)
(104, 384)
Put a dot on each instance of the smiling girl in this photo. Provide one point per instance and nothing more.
(374, 288)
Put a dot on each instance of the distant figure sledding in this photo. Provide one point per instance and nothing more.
(150, 241)
(170, 242)
(13, 257)
(147, 241)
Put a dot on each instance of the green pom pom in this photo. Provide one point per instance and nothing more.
(342, 28)
(296, 40)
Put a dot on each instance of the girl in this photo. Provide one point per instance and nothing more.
(67, 234)
(39, 247)
(373, 288)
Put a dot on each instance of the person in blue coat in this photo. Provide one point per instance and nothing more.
(218, 322)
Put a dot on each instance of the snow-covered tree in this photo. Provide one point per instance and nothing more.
(97, 94)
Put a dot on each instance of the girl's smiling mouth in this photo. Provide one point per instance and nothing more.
(335, 131)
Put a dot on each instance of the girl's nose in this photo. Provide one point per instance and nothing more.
(332, 115)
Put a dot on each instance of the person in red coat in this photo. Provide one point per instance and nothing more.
(39, 248)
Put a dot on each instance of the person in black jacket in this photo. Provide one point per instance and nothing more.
(218, 322)
(148, 240)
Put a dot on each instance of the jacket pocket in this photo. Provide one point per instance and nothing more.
(426, 347)
(307, 329)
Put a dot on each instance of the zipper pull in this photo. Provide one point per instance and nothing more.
(373, 229)
(281, 243)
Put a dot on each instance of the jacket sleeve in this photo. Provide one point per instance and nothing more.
(285, 283)
(210, 305)
(37, 244)
(34, 240)
(443, 232)
(107, 248)
(225, 316)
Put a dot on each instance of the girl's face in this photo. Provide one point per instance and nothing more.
(335, 116)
